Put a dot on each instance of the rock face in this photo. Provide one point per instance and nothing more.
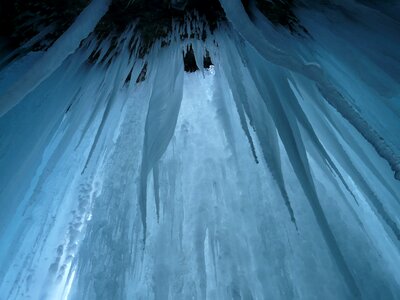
(21, 20)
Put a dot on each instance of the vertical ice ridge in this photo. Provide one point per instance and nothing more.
(123, 68)
(156, 190)
(161, 117)
(112, 81)
(239, 96)
(235, 78)
(285, 88)
(219, 97)
(294, 147)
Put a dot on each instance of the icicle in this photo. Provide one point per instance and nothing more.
(55, 56)
(261, 124)
(122, 70)
(290, 136)
(162, 115)
(241, 22)
(199, 54)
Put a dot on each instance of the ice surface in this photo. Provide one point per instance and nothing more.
(242, 181)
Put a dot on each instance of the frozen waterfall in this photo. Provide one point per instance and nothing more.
(273, 174)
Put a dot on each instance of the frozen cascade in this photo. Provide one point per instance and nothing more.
(264, 176)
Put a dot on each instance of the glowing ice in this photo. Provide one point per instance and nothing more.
(261, 177)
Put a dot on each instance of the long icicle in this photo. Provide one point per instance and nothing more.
(55, 56)
(236, 14)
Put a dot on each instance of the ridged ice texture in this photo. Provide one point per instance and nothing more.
(243, 181)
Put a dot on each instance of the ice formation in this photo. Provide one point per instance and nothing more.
(271, 175)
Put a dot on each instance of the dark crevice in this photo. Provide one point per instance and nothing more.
(190, 61)
(20, 20)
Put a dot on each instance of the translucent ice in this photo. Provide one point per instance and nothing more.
(265, 176)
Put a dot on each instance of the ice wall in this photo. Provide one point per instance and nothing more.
(242, 181)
